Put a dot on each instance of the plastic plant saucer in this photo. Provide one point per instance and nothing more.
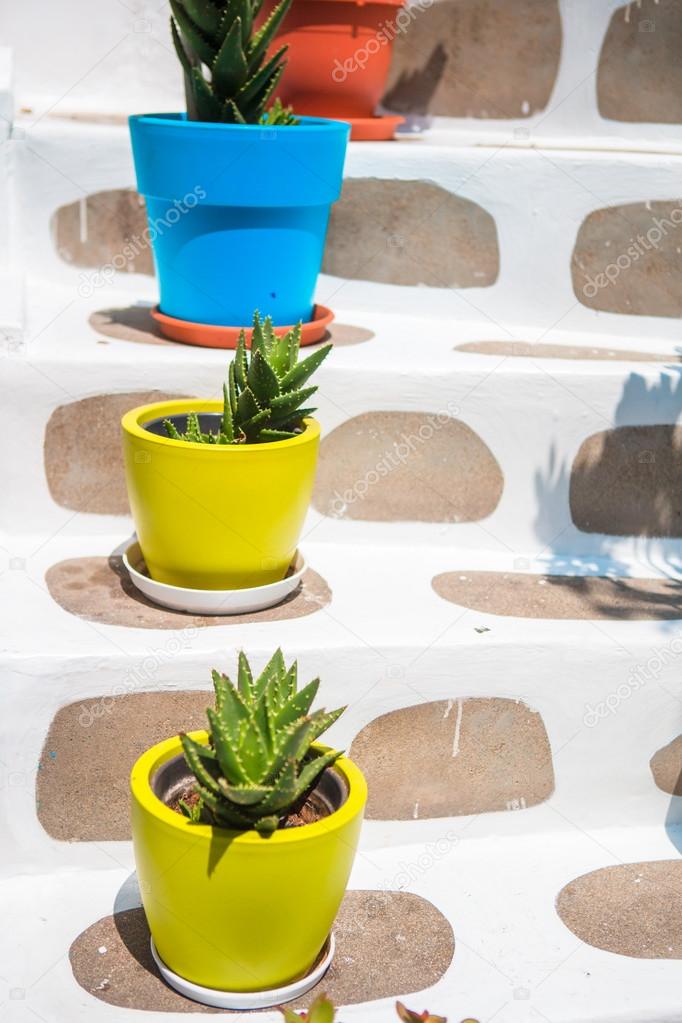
(210, 335)
(373, 129)
(211, 602)
(248, 999)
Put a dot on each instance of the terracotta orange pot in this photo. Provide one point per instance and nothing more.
(339, 56)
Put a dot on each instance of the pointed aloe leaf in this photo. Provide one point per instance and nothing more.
(205, 15)
(253, 751)
(262, 39)
(267, 825)
(241, 361)
(261, 79)
(183, 56)
(223, 813)
(245, 679)
(325, 719)
(243, 795)
(262, 380)
(172, 430)
(195, 761)
(313, 770)
(232, 388)
(270, 436)
(257, 338)
(208, 107)
(247, 406)
(269, 335)
(251, 428)
(285, 405)
(272, 669)
(298, 705)
(292, 746)
(231, 764)
(232, 114)
(229, 69)
(302, 370)
(231, 708)
(282, 792)
(226, 425)
(192, 34)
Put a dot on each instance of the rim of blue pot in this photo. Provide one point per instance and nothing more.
(306, 124)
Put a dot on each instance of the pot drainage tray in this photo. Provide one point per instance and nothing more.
(211, 602)
(209, 335)
(248, 999)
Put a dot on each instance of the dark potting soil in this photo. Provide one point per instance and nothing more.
(312, 808)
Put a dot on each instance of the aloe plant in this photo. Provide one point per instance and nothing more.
(264, 391)
(260, 760)
(320, 1011)
(219, 35)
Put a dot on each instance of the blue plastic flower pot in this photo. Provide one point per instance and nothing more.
(237, 213)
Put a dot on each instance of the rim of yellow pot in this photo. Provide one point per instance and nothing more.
(148, 764)
(133, 424)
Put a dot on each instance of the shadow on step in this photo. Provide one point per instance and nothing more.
(388, 944)
(99, 590)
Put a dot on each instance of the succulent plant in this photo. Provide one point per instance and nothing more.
(321, 1011)
(219, 35)
(408, 1016)
(260, 761)
(264, 392)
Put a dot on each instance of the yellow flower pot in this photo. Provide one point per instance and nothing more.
(216, 517)
(233, 910)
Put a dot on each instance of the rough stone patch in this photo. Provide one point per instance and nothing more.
(406, 466)
(639, 77)
(628, 259)
(410, 232)
(477, 58)
(83, 454)
(388, 944)
(82, 784)
(104, 228)
(99, 590)
(135, 323)
(466, 756)
(541, 350)
(633, 909)
(522, 595)
(628, 482)
(666, 767)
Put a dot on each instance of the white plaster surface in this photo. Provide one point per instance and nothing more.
(386, 640)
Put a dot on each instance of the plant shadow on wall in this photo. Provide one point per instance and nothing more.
(625, 481)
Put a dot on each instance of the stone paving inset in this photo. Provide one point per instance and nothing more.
(628, 259)
(639, 77)
(466, 756)
(406, 466)
(634, 909)
(557, 597)
(99, 590)
(104, 228)
(83, 454)
(388, 944)
(542, 350)
(388, 231)
(476, 58)
(82, 784)
(628, 482)
(666, 767)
